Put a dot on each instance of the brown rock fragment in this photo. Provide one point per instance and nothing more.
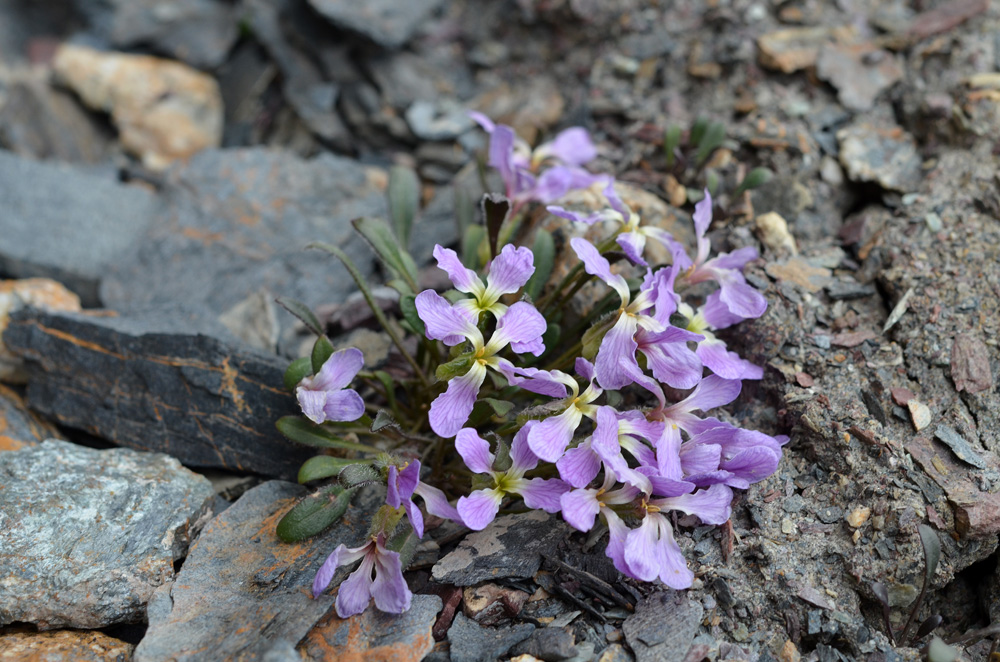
(37, 293)
(791, 49)
(945, 17)
(970, 365)
(901, 396)
(63, 646)
(488, 604)
(860, 72)
(164, 110)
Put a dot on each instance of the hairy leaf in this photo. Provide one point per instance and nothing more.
(307, 433)
(314, 513)
(379, 235)
(303, 312)
(404, 201)
(324, 466)
(322, 351)
(297, 371)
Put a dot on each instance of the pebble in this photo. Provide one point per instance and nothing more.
(884, 154)
(793, 504)
(164, 110)
(859, 516)
(773, 232)
(791, 49)
(787, 526)
(919, 414)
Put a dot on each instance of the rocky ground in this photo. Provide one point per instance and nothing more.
(163, 164)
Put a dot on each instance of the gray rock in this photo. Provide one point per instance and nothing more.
(243, 593)
(471, 642)
(20, 428)
(240, 220)
(376, 635)
(858, 71)
(198, 32)
(386, 22)
(663, 626)
(444, 119)
(160, 379)
(66, 223)
(883, 154)
(511, 546)
(959, 446)
(86, 536)
(549, 644)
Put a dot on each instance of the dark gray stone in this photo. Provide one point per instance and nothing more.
(830, 514)
(20, 428)
(66, 223)
(848, 288)
(471, 642)
(511, 546)
(549, 644)
(959, 446)
(86, 536)
(663, 626)
(199, 32)
(444, 119)
(239, 220)
(388, 23)
(793, 504)
(161, 379)
(884, 154)
(243, 593)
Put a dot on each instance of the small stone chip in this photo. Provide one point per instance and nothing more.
(959, 446)
(919, 413)
(859, 516)
(787, 526)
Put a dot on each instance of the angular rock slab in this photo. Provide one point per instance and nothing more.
(63, 646)
(86, 536)
(471, 642)
(239, 221)
(511, 546)
(159, 380)
(66, 223)
(18, 294)
(242, 592)
(663, 626)
(375, 635)
(19, 428)
(388, 23)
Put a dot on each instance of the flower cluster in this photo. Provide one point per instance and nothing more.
(567, 449)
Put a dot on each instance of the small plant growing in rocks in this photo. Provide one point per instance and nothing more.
(500, 397)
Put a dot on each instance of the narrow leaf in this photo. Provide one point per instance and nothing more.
(698, 130)
(929, 626)
(314, 513)
(389, 384)
(322, 351)
(404, 201)
(671, 141)
(474, 237)
(297, 371)
(408, 306)
(756, 177)
(379, 235)
(713, 138)
(495, 210)
(932, 552)
(303, 312)
(307, 433)
(712, 180)
(593, 336)
(324, 466)
(544, 251)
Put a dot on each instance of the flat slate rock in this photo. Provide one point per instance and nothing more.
(471, 642)
(20, 428)
(239, 220)
(511, 546)
(388, 23)
(243, 593)
(663, 626)
(161, 380)
(67, 223)
(86, 535)
(375, 635)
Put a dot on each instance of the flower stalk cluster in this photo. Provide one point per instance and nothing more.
(540, 436)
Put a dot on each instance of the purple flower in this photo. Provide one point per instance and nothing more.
(521, 327)
(741, 299)
(729, 455)
(388, 587)
(323, 396)
(508, 273)
(631, 236)
(521, 167)
(713, 352)
(481, 507)
(651, 551)
(580, 508)
(402, 485)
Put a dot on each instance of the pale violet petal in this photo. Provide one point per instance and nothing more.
(480, 508)
(451, 409)
(463, 278)
(475, 451)
(344, 405)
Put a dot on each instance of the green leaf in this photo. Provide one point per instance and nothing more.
(712, 179)
(714, 136)
(322, 351)
(544, 251)
(380, 237)
(324, 466)
(314, 513)
(389, 384)
(454, 368)
(408, 306)
(307, 433)
(698, 130)
(400, 286)
(303, 312)
(297, 371)
(594, 335)
(756, 177)
(495, 210)
(405, 542)
(475, 236)
(553, 332)
(404, 201)
(502, 460)
(383, 420)
(671, 141)
(465, 209)
(357, 475)
(932, 552)
(501, 407)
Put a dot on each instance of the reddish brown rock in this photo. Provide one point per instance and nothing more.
(63, 646)
(970, 365)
